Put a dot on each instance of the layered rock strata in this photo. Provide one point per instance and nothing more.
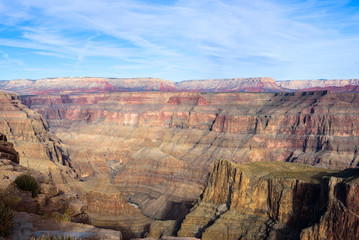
(157, 148)
(47, 213)
(30, 136)
(275, 201)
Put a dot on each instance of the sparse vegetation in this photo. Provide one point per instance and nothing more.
(27, 183)
(55, 238)
(6, 219)
(60, 217)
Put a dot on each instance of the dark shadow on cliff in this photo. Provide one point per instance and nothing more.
(309, 204)
(310, 201)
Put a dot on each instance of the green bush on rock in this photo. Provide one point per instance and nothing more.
(6, 219)
(27, 183)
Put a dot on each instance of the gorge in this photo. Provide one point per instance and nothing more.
(135, 158)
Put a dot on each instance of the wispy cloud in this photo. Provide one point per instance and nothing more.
(189, 39)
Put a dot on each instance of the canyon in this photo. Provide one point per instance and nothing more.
(145, 158)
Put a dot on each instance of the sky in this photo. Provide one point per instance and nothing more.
(179, 39)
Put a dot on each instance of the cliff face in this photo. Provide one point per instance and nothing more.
(30, 135)
(274, 201)
(39, 215)
(157, 148)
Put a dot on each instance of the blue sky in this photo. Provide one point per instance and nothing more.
(179, 40)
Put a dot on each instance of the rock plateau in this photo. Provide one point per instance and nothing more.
(275, 200)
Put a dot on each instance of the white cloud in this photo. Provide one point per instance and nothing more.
(200, 37)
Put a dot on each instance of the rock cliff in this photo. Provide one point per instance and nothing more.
(47, 213)
(30, 135)
(156, 148)
(275, 200)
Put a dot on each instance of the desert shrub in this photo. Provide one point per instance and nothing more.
(6, 219)
(27, 183)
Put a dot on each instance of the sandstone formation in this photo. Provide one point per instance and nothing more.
(275, 201)
(30, 136)
(154, 149)
(7, 150)
(40, 215)
(264, 84)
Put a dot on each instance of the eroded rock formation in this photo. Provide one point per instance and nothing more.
(30, 136)
(275, 200)
(40, 215)
(155, 149)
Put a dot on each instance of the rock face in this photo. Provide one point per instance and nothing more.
(7, 150)
(154, 149)
(275, 200)
(29, 133)
(264, 84)
(40, 215)
(85, 85)
(335, 85)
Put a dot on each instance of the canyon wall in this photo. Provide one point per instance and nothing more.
(30, 136)
(157, 148)
(275, 201)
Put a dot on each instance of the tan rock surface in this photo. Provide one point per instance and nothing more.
(156, 148)
(40, 215)
(273, 200)
(30, 136)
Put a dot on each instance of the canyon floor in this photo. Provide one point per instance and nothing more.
(189, 164)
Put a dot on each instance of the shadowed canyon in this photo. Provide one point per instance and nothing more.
(195, 159)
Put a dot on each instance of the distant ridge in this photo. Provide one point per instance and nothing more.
(79, 85)
(258, 84)
(337, 85)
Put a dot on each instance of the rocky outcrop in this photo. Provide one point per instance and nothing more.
(258, 84)
(7, 150)
(341, 218)
(30, 136)
(273, 200)
(47, 213)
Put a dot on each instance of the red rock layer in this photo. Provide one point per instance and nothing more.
(157, 148)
